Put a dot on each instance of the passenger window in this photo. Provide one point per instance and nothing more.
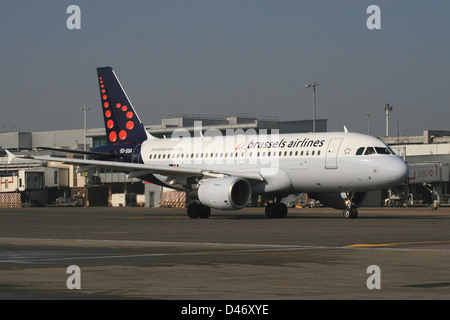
(360, 151)
(369, 151)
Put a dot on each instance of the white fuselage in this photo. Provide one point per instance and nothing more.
(288, 163)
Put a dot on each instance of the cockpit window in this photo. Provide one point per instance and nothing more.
(360, 151)
(369, 150)
(389, 148)
(381, 150)
(374, 150)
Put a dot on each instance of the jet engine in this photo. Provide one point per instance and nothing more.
(224, 193)
(335, 200)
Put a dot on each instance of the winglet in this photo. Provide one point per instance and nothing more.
(10, 156)
(345, 129)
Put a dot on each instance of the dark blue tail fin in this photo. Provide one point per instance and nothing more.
(121, 121)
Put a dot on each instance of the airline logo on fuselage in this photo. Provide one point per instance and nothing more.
(299, 143)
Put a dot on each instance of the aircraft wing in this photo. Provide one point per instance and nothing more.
(88, 153)
(139, 169)
(135, 169)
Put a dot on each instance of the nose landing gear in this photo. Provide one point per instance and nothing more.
(350, 211)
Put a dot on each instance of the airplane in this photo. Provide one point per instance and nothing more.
(336, 168)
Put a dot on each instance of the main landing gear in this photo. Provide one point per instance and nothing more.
(276, 210)
(197, 210)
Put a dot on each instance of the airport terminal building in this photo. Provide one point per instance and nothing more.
(33, 183)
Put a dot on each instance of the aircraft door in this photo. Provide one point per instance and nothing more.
(136, 154)
(332, 152)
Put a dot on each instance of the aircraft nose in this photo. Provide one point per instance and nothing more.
(397, 170)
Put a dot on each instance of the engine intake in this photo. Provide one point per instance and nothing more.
(224, 193)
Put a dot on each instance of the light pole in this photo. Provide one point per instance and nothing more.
(85, 109)
(85, 203)
(368, 116)
(387, 108)
(313, 85)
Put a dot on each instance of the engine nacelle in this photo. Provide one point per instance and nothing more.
(334, 200)
(224, 193)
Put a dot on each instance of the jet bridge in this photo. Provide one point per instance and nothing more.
(426, 183)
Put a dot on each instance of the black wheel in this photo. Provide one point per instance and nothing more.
(350, 213)
(197, 210)
(271, 211)
(276, 210)
(205, 212)
(194, 210)
(281, 210)
(347, 213)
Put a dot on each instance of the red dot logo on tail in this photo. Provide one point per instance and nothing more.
(122, 134)
(130, 125)
(113, 136)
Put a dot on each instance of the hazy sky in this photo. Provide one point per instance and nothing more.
(227, 57)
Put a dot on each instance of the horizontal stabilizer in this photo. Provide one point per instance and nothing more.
(10, 156)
